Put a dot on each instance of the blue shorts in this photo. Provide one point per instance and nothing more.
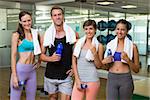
(54, 85)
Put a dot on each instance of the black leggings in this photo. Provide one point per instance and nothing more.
(119, 86)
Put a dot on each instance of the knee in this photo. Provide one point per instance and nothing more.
(53, 96)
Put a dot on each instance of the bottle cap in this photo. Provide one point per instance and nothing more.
(109, 52)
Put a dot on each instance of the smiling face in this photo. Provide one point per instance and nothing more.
(26, 22)
(89, 27)
(121, 30)
(57, 17)
(90, 31)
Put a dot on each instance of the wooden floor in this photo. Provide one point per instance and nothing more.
(142, 87)
(5, 77)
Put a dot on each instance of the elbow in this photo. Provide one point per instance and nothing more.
(41, 57)
(98, 66)
(137, 70)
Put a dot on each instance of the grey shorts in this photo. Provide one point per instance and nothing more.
(54, 85)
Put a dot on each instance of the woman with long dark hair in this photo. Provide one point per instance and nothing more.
(123, 55)
(25, 43)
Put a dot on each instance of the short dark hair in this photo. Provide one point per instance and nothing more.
(90, 22)
(125, 22)
(56, 7)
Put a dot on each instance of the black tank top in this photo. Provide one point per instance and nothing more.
(57, 70)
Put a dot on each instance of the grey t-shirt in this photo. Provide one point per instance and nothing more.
(87, 70)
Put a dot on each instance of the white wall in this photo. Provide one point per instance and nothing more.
(5, 47)
(3, 19)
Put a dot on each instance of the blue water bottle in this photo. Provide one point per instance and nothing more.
(84, 86)
(59, 49)
(22, 83)
(109, 52)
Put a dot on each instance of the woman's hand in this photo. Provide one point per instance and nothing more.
(15, 81)
(78, 83)
(107, 60)
(125, 57)
(93, 49)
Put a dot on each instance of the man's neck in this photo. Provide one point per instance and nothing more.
(59, 28)
(59, 31)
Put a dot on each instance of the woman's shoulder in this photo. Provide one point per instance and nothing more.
(15, 32)
(134, 46)
(100, 45)
(15, 35)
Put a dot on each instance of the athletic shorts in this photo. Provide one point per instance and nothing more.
(54, 85)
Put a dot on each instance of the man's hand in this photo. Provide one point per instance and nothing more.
(36, 65)
(70, 72)
(55, 57)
